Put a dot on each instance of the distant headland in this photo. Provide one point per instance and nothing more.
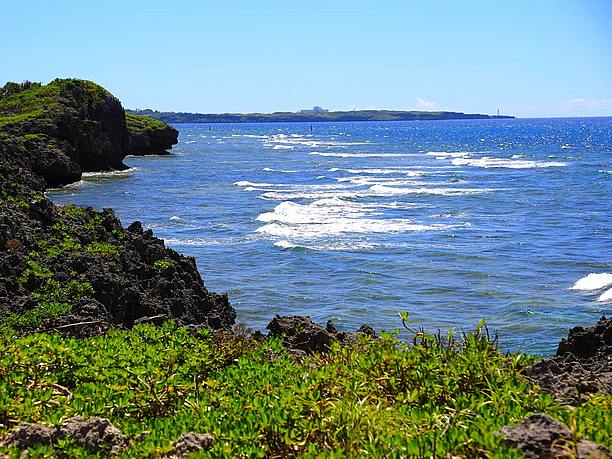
(310, 116)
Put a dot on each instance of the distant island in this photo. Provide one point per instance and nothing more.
(310, 116)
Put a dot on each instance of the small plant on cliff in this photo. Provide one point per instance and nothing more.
(104, 249)
(162, 264)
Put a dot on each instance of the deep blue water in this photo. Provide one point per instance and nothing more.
(453, 221)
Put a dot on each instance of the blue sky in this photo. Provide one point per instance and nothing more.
(529, 58)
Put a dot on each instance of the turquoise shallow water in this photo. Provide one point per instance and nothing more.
(453, 221)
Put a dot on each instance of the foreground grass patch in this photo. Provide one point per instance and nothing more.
(377, 398)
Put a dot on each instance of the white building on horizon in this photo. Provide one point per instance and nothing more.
(315, 109)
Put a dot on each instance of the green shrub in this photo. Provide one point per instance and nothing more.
(381, 398)
(162, 264)
(104, 249)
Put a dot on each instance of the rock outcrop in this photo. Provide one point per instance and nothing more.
(67, 127)
(582, 366)
(189, 444)
(302, 335)
(541, 436)
(74, 269)
(71, 126)
(95, 434)
(149, 136)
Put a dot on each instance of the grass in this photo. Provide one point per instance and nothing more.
(143, 124)
(377, 398)
(32, 103)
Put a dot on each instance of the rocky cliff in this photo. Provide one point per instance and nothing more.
(76, 269)
(71, 126)
(149, 136)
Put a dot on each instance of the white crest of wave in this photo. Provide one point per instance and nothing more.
(448, 154)
(356, 155)
(593, 281)
(317, 211)
(384, 190)
(283, 147)
(332, 217)
(487, 163)
(287, 171)
(103, 174)
(251, 184)
(285, 245)
(386, 172)
(606, 296)
(342, 225)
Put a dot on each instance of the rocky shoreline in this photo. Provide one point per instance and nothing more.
(79, 272)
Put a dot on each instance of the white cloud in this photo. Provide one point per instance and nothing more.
(590, 102)
(426, 104)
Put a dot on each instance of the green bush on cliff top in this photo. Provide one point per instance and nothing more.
(377, 398)
(138, 124)
(27, 102)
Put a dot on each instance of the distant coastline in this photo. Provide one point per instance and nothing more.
(284, 117)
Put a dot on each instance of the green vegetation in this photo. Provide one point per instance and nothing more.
(104, 249)
(163, 264)
(138, 125)
(54, 298)
(30, 103)
(360, 115)
(53, 293)
(18, 196)
(436, 397)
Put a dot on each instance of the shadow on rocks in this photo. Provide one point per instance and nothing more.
(581, 366)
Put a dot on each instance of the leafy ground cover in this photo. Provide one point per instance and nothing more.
(437, 396)
(139, 125)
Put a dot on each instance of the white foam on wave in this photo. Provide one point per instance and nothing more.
(109, 174)
(606, 296)
(335, 216)
(246, 183)
(386, 172)
(464, 158)
(317, 211)
(347, 225)
(267, 169)
(356, 155)
(285, 245)
(384, 190)
(278, 141)
(283, 147)
(448, 154)
(593, 281)
(377, 190)
(487, 163)
(176, 218)
(361, 180)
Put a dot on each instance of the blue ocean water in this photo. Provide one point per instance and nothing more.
(453, 221)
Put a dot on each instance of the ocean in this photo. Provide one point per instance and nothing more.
(509, 221)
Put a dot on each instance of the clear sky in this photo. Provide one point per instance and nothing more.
(527, 57)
